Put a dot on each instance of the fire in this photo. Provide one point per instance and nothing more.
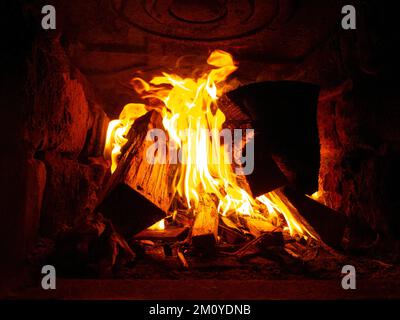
(118, 129)
(189, 111)
(160, 225)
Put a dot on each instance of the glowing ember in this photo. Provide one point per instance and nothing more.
(160, 225)
(189, 111)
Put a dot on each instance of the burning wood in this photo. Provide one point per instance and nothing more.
(257, 227)
(231, 236)
(182, 259)
(271, 239)
(138, 193)
(201, 183)
(171, 234)
(205, 229)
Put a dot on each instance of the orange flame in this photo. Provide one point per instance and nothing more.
(118, 129)
(160, 225)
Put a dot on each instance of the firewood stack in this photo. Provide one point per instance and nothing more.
(139, 194)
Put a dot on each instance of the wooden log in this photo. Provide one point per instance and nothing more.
(284, 116)
(205, 228)
(181, 258)
(257, 227)
(182, 218)
(231, 236)
(266, 175)
(138, 193)
(235, 115)
(170, 234)
(270, 239)
(91, 247)
(328, 223)
(229, 232)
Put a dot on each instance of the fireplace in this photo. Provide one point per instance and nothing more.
(201, 140)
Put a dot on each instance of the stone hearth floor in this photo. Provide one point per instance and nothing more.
(117, 289)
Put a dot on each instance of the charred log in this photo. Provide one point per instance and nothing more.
(266, 175)
(205, 228)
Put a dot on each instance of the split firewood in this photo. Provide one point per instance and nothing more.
(284, 116)
(270, 239)
(139, 193)
(181, 258)
(229, 232)
(266, 175)
(204, 235)
(91, 247)
(257, 227)
(183, 218)
(170, 234)
(326, 222)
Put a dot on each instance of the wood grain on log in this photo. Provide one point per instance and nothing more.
(205, 228)
(139, 193)
(284, 115)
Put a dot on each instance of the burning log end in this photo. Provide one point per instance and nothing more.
(328, 223)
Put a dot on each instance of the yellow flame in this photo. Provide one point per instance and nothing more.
(276, 203)
(189, 111)
(316, 195)
(160, 225)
